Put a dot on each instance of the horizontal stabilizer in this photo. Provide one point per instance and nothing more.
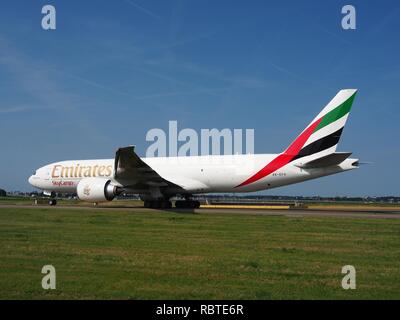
(326, 161)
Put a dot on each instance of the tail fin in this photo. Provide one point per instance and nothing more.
(322, 135)
(317, 140)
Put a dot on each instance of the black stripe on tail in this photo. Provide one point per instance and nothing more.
(320, 145)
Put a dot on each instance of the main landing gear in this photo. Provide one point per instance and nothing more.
(158, 204)
(187, 204)
(165, 204)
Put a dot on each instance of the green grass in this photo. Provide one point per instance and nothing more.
(21, 200)
(353, 204)
(15, 200)
(164, 255)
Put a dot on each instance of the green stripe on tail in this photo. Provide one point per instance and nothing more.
(336, 113)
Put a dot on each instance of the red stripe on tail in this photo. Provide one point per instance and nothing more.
(284, 158)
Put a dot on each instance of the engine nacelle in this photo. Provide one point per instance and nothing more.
(96, 190)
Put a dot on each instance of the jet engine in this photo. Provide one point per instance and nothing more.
(96, 190)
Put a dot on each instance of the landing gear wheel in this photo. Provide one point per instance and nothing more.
(166, 205)
(187, 204)
(158, 204)
(52, 202)
(155, 204)
(179, 204)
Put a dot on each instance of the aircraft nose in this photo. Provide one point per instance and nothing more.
(30, 180)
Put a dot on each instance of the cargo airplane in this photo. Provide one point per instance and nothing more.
(311, 155)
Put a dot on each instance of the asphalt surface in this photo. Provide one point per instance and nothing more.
(351, 213)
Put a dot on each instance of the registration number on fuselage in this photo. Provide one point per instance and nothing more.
(279, 174)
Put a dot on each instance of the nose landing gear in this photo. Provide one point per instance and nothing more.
(52, 202)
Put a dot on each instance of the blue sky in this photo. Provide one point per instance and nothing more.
(112, 70)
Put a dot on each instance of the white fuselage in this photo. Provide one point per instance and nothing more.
(311, 155)
(200, 174)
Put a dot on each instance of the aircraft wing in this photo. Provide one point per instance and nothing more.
(133, 173)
